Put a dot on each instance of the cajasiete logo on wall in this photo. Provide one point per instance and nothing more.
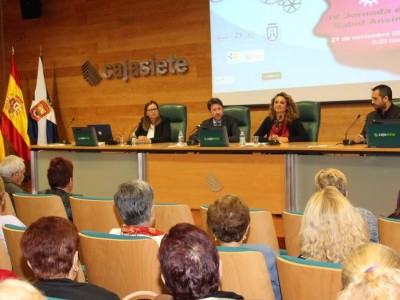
(126, 70)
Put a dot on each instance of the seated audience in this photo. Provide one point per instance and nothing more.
(190, 265)
(8, 219)
(334, 177)
(14, 289)
(153, 127)
(50, 246)
(331, 227)
(372, 272)
(12, 171)
(60, 176)
(229, 219)
(396, 213)
(134, 201)
(283, 123)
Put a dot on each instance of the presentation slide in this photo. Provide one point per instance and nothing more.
(321, 50)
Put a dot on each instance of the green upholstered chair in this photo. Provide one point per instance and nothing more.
(242, 116)
(310, 116)
(306, 279)
(396, 101)
(177, 114)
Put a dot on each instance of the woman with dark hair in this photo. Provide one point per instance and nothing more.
(50, 246)
(153, 127)
(60, 177)
(283, 123)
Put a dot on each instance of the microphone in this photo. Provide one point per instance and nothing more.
(347, 141)
(65, 141)
(193, 140)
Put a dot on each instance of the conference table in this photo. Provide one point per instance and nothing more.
(275, 178)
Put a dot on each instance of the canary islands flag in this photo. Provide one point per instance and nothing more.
(42, 119)
(14, 122)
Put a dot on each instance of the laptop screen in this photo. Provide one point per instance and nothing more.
(383, 133)
(215, 136)
(85, 136)
(103, 132)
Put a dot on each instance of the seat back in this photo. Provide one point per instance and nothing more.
(291, 227)
(141, 295)
(244, 272)
(396, 101)
(168, 215)
(242, 116)
(177, 114)
(310, 117)
(86, 212)
(5, 262)
(7, 208)
(305, 279)
(389, 232)
(30, 207)
(121, 264)
(262, 228)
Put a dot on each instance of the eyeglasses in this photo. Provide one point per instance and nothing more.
(152, 109)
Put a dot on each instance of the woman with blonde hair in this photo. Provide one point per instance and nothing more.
(371, 272)
(331, 227)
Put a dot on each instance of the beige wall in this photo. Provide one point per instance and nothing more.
(102, 31)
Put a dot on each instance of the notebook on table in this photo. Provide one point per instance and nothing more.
(103, 133)
(85, 136)
(383, 133)
(215, 136)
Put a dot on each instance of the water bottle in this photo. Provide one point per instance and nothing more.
(180, 138)
(133, 139)
(242, 139)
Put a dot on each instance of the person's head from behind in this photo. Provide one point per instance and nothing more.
(50, 245)
(216, 108)
(13, 167)
(331, 227)
(331, 177)
(60, 174)
(134, 201)
(189, 262)
(371, 271)
(14, 289)
(283, 103)
(381, 97)
(2, 192)
(228, 218)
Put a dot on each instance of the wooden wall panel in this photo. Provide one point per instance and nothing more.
(102, 31)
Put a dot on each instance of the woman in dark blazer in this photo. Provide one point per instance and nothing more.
(153, 128)
(283, 122)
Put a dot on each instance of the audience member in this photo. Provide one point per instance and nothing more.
(134, 201)
(331, 227)
(50, 246)
(153, 127)
(283, 123)
(60, 176)
(7, 274)
(384, 109)
(12, 171)
(229, 219)
(396, 213)
(190, 265)
(14, 289)
(8, 219)
(372, 272)
(216, 108)
(336, 178)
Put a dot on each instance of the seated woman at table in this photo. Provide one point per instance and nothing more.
(229, 219)
(331, 227)
(283, 123)
(153, 127)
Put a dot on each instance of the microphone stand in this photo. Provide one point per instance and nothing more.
(65, 141)
(347, 141)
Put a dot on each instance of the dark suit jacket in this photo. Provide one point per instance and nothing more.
(162, 132)
(230, 123)
(297, 133)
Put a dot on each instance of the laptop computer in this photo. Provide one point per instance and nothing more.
(85, 136)
(383, 133)
(103, 132)
(215, 136)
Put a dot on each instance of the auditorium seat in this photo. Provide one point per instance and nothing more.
(177, 114)
(310, 117)
(242, 116)
(168, 215)
(7, 208)
(303, 279)
(389, 232)
(291, 227)
(5, 262)
(141, 295)
(396, 101)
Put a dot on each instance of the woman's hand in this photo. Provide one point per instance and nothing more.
(143, 139)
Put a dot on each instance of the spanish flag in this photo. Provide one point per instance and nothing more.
(14, 121)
